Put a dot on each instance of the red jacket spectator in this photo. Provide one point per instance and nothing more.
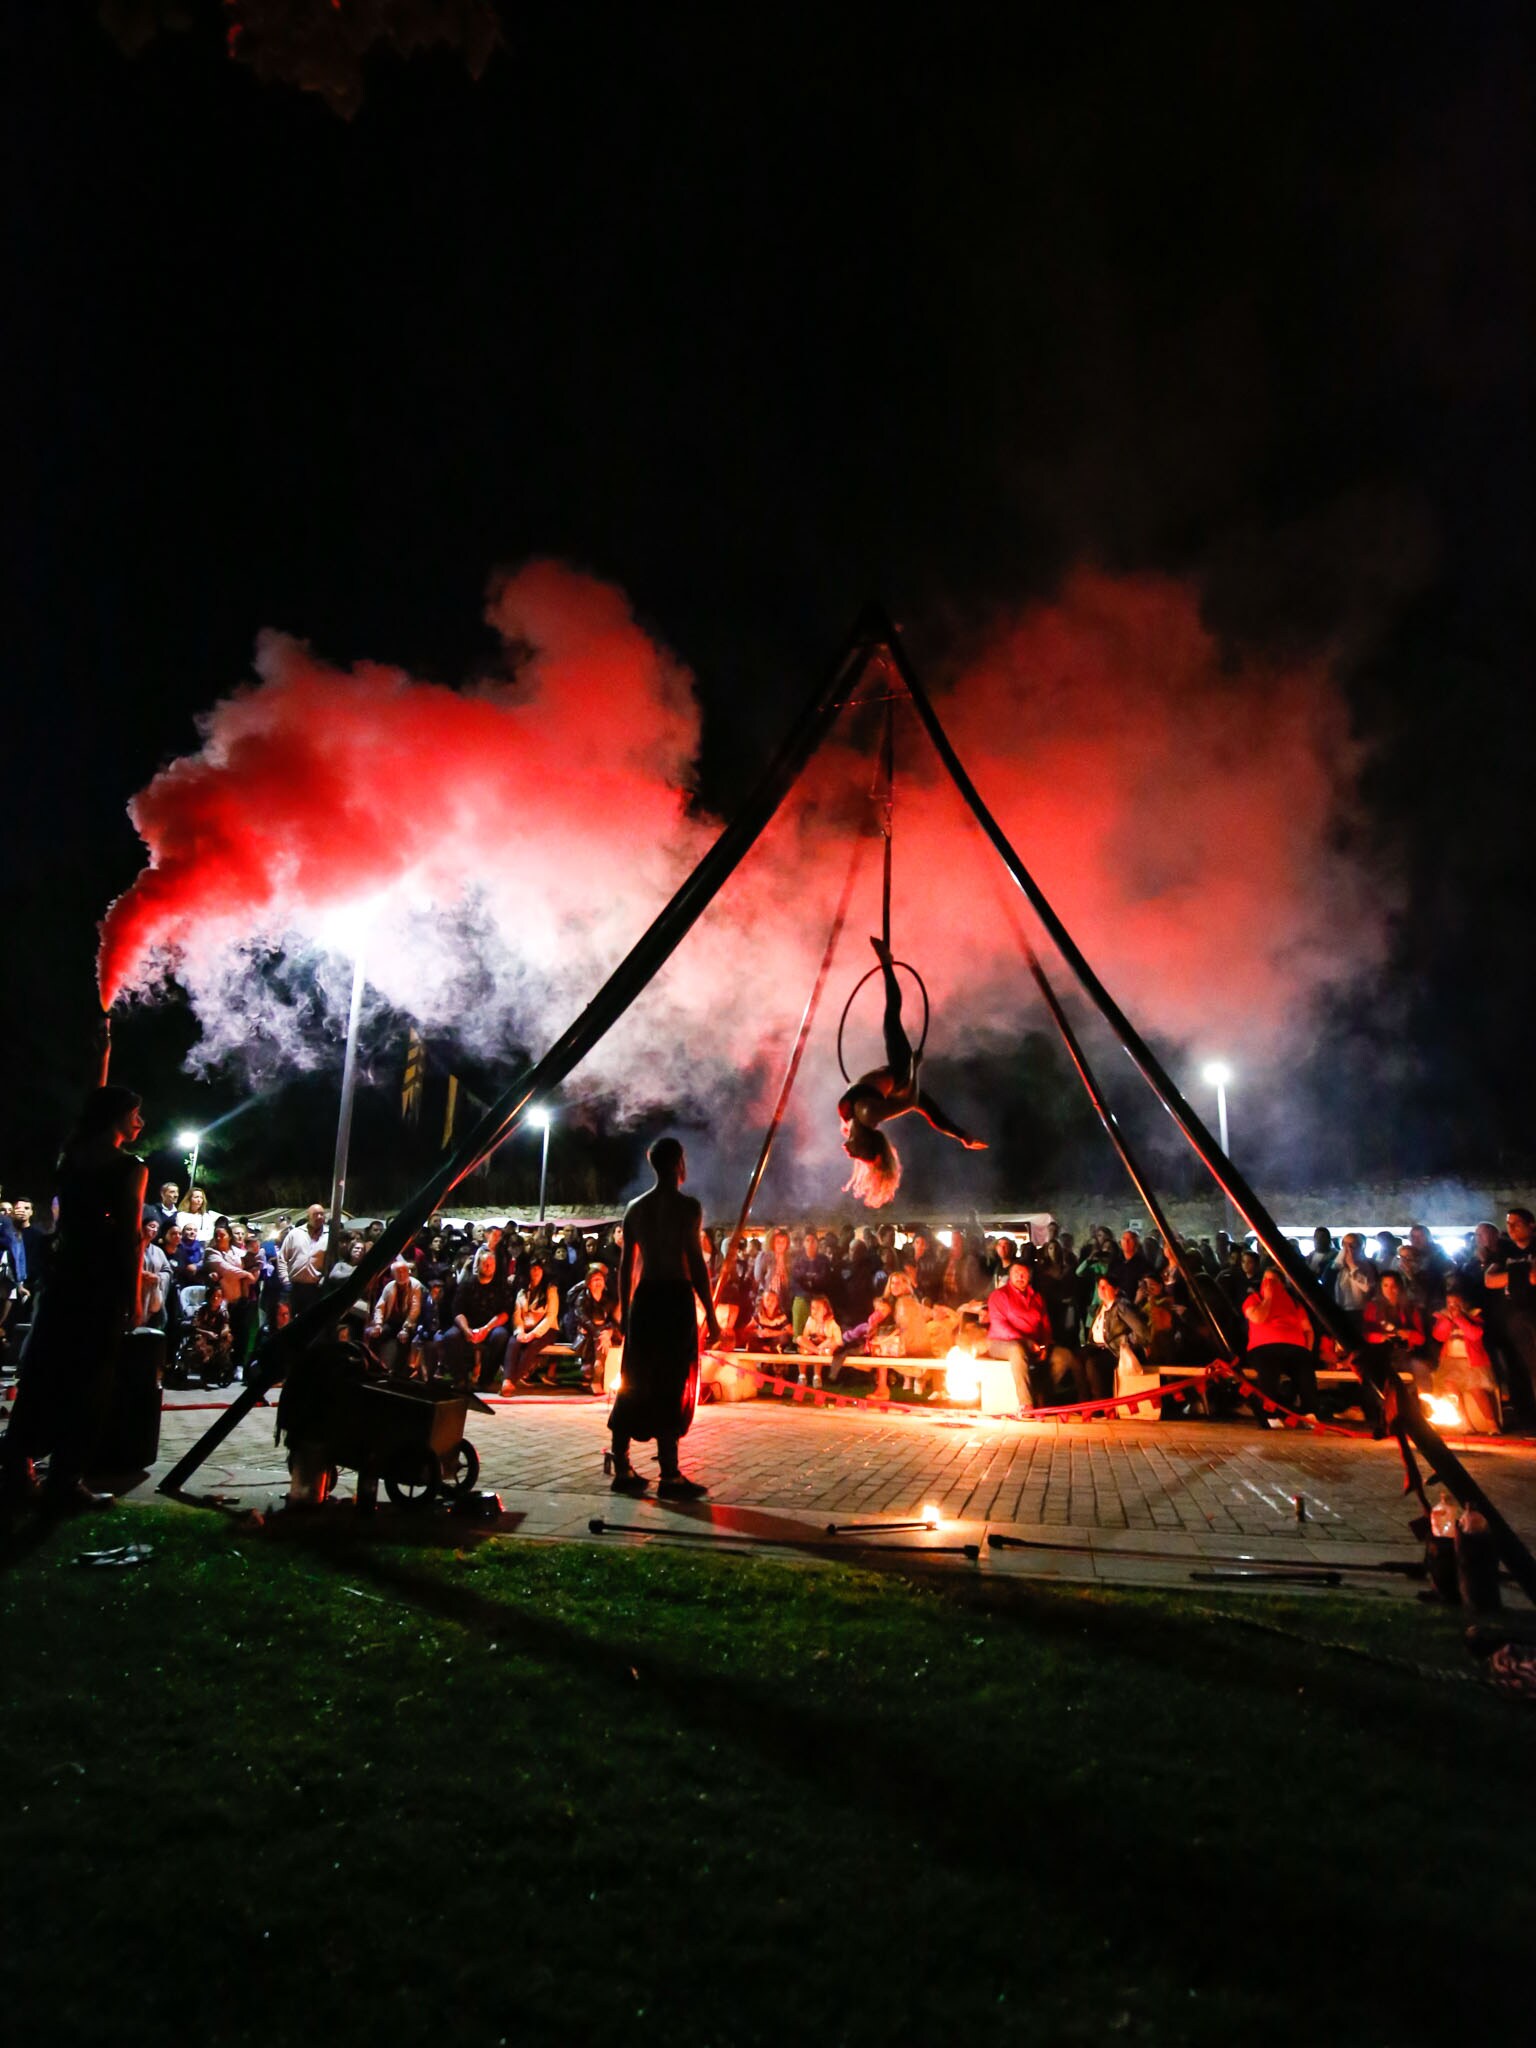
(1275, 1316)
(1390, 1318)
(1016, 1314)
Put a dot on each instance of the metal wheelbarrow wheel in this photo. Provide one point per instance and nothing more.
(415, 1489)
(460, 1469)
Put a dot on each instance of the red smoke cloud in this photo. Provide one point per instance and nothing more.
(1185, 809)
(319, 791)
(1181, 807)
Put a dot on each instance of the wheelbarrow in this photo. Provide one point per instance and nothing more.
(412, 1437)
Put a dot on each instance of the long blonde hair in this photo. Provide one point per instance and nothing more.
(874, 1181)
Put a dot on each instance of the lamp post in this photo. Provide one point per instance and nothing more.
(540, 1119)
(1216, 1074)
(190, 1142)
(344, 1116)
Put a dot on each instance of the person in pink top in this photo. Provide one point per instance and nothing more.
(1280, 1342)
(1018, 1329)
(1464, 1371)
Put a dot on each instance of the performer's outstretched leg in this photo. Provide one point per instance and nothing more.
(944, 1123)
(898, 1047)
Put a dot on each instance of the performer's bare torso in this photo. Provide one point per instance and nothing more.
(663, 1227)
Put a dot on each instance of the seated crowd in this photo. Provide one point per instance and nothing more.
(492, 1305)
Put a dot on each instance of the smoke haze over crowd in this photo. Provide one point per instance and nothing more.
(495, 850)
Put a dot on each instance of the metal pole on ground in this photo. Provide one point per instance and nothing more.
(1413, 1423)
(786, 1086)
(1231, 1340)
(633, 973)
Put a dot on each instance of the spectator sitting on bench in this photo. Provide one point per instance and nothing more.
(1019, 1331)
(591, 1322)
(477, 1339)
(1115, 1327)
(1280, 1341)
(395, 1316)
(770, 1329)
(1464, 1372)
(535, 1326)
(819, 1339)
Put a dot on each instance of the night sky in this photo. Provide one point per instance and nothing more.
(759, 314)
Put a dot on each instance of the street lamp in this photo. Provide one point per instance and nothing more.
(190, 1141)
(540, 1119)
(1216, 1074)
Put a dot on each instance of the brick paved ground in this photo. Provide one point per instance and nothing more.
(1183, 1492)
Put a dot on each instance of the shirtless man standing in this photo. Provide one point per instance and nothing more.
(660, 1380)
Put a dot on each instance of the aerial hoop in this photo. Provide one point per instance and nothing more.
(922, 989)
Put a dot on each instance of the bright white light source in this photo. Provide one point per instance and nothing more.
(539, 1118)
(1444, 1411)
(932, 1516)
(188, 1140)
(1216, 1074)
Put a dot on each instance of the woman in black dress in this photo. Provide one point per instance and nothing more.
(91, 1300)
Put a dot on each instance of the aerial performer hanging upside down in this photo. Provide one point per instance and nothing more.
(885, 1093)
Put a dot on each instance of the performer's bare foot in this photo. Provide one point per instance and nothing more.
(974, 1144)
(882, 951)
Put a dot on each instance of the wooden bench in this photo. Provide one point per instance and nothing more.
(787, 1364)
(1326, 1376)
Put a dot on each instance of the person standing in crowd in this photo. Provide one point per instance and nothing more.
(93, 1297)
(167, 1210)
(1129, 1266)
(226, 1268)
(810, 1275)
(1510, 1278)
(170, 1244)
(1054, 1283)
(858, 1282)
(1432, 1269)
(1323, 1256)
(196, 1218)
(1354, 1278)
(274, 1282)
(661, 1278)
(966, 1276)
(13, 1252)
(772, 1268)
(301, 1256)
(929, 1261)
(1417, 1286)
(155, 1298)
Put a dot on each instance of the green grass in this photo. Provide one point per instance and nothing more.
(269, 1791)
